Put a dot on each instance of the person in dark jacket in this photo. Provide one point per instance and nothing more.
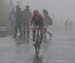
(18, 23)
(26, 21)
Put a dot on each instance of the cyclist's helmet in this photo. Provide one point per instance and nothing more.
(35, 12)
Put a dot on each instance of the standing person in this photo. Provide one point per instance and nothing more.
(66, 25)
(26, 20)
(47, 22)
(12, 18)
(71, 25)
(18, 25)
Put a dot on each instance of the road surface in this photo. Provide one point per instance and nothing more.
(61, 49)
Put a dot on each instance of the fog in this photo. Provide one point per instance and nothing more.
(59, 10)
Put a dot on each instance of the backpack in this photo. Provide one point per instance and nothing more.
(50, 21)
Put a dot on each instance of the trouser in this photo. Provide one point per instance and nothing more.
(18, 27)
(45, 31)
(41, 35)
(34, 33)
(26, 30)
(13, 29)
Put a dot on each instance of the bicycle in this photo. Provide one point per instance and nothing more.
(38, 42)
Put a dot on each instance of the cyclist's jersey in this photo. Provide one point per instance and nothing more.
(38, 21)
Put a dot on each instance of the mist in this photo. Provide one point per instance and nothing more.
(59, 10)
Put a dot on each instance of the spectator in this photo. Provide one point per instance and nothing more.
(26, 20)
(12, 18)
(47, 21)
(18, 22)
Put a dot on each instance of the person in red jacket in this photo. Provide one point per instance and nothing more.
(37, 21)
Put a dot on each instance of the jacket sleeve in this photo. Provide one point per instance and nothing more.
(50, 21)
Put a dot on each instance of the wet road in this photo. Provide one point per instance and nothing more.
(61, 49)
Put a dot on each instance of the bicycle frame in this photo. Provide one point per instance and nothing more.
(37, 43)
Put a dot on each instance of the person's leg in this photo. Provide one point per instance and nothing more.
(50, 35)
(12, 32)
(41, 37)
(15, 32)
(20, 30)
(45, 35)
(34, 33)
(24, 30)
(27, 31)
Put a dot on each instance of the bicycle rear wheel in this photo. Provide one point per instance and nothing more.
(37, 49)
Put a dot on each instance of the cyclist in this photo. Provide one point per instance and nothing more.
(38, 24)
(37, 21)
